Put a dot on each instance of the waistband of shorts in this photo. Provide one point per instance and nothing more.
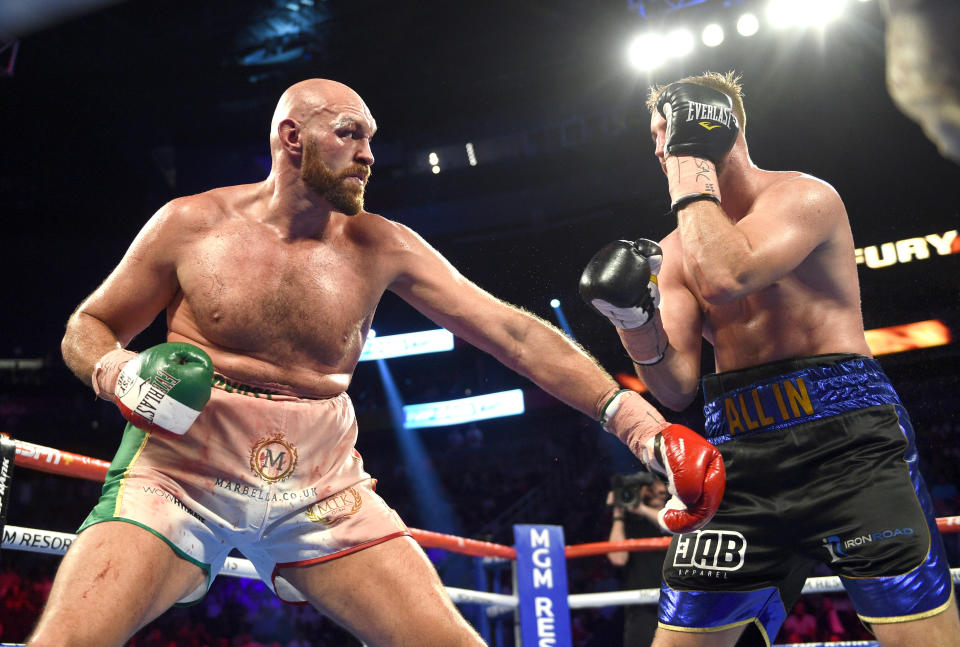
(791, 392)
(228, 385)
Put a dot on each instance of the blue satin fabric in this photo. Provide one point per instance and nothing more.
(710, 610)
(768, 405)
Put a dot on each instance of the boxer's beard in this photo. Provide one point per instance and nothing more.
(333, 187)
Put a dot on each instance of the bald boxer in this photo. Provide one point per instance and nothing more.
(272, 288)
(820, 453)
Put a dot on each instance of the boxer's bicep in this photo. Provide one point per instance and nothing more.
(431, 284)
(787, 224)
(683, 322)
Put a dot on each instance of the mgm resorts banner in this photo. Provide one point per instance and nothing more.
(542, 586)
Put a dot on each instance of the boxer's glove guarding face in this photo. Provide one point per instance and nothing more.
(163, 388)
(693, 467)
(620, 282)
(701, 130)
(700, 121)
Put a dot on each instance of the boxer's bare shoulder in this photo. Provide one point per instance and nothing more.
(195, 215)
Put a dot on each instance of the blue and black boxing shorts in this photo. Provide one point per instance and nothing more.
(821, 467)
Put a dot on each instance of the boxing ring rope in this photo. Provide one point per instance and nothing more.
(63, 463)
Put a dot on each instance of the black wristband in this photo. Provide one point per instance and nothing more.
(684, 200)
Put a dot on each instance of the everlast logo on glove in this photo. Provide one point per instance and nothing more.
(723, 116)
(164, 387)
(160, 385)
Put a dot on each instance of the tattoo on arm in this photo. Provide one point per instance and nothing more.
(704, 173)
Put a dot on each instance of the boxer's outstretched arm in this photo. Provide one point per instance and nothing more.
(518, 339)
(537, 350)
(727, 260)
(135, 292)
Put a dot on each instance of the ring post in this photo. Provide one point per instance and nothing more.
(541, 574)
(8, 450)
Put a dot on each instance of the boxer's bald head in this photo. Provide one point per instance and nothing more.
(321, 131)
(316, 98)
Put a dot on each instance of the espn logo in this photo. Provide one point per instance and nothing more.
(717, 550)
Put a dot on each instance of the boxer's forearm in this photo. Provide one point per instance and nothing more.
(556, 364)
(672, 381)
(85, 341)
(670, 375)
(714, 251)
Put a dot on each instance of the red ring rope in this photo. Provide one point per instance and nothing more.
(55, 461)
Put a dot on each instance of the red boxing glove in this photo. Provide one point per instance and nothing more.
(693, 467)
(696, 474)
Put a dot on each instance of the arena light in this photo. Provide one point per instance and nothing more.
(817, 13)
(780, 13)
(748, 25)
(561, 318)
(471, 154)
(463, 410)
(433, 159)
(435, 169)
(414, 343)
(712, 35)
(911, 336)
(679, 43)
(803, 13)
(647, 52)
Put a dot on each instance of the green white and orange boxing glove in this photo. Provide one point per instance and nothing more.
(164, 388)
(693, 467)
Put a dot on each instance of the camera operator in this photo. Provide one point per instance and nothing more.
(635, 500)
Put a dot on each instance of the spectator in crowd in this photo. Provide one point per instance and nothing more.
(635, 516)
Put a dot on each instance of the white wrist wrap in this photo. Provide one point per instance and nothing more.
(646, 345)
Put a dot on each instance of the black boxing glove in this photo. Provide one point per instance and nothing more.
(701, 130)
(620, 282)
(700, 121)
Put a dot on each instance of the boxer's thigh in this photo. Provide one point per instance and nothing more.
(115, 578)
(388, 594)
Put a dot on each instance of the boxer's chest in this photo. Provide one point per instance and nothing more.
(254, 293)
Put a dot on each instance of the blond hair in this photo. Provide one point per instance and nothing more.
(728, 83)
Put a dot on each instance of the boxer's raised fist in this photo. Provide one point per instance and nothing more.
(620, 282)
